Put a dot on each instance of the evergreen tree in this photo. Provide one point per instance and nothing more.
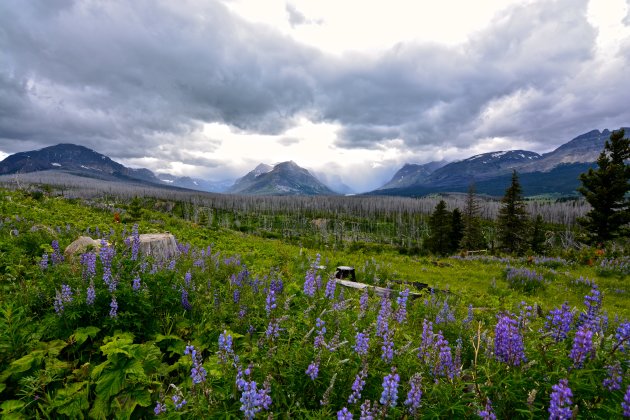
(512, 220)
(202, 218)
(439, 240)
(135, 209)
(457, 230)
(605, 190)
(473, 235)
(538, 235)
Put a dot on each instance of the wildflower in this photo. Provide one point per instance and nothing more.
(469, 317)
(185, 303)
(357, 386)
(559, 322)
(313, 369)
(91, 294)
(362, 344)
(236, 295)
(273, 329)
(487, 413)
(225, 346)
(363, 302)
(622, 335)
(582, 346)
(251, 402)
(593, 303)
(178, 401)
(561, 400)
(106, 254)
(309, 280)
(171, 265)
(444, 365)
(57, 257)
(415, 394)
(330, 288)
(382, 321)
(198, 372)
(508, 342)
(625, 404)
(136, 284)
(367, 411)
(270, 301)
(426, 344)
(613, 381)
(135, 242)
(344, 414)
(43, 263)
(159, 408)
(187, 278)
(113, 308)
(445, 315)
(389, 396)
(401, 312)
(387, 347)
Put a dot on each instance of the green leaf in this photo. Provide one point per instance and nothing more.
(72, 400)
(82, 334)
(25, 363)
(110, 384)
(11, 405)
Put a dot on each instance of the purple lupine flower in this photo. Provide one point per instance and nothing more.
(469, 317)
(487, 413)
(57, 257)
(389, 396)
(401, 312)
(367, 412)
(275, 284)
(388, 347)
(444, 365)
(625, 404)
(363, 302)
(106, 254)
(382, 321)
(582, 346)
(561, 400)
(357, 386)
(159, 408)
(187, 278)
(270, 301)
(185, 303)
(135, 242)
(113, 308)
(61, 298)
(593, 303)
(43, 263)
(253, 400)
(622, 335)
(344, 414)
(273, 330)
(445, 315)
(197, 372)
(236, 295)
(426, 343)
(508, 342)
(225, 346)
(613, 381)
(313, 369)
(136, 284)
(457, 361)
(91, 294)
(321, 330)
(88, 260)
(363, 343)
(414, 395)
(309, 280)
(329, 292)
(178, 401)
(559, 322)
(171, 265)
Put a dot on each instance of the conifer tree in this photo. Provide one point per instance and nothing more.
(439, 240)
(473, 235)
(538, 235)
(457, 229)
(606, 188)
(135, 209)
(512, 220)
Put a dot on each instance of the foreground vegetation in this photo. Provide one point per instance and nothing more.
(237, 325)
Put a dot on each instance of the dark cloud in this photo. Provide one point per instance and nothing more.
(128, 78)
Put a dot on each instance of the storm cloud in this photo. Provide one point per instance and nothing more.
(139, 80)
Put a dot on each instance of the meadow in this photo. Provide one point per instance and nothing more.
(247, 324)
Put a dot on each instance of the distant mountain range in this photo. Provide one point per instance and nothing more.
(555, 172)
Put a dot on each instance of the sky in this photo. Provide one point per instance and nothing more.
(349, 89)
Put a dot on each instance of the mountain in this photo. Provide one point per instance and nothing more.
(71, 158)
(411, 174)
(554, 172)
(286, 178)
(194, 183)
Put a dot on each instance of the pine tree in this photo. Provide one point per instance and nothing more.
(439, 240)
(538, 235)
(135, 209)
(605, 190)
(457, 230)
(473, 235)
(512, 220)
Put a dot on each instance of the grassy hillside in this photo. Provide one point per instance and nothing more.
(239, 325)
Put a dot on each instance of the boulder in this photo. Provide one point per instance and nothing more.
(81, 245)
(160, 246)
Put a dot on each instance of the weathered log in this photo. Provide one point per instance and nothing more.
(379, 291)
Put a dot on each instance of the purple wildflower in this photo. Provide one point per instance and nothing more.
(57, 257)
(159, 408)
(582, 346)
(445, 315)
(613, 381)
(625, 404)
(344, 414)
(559, 322)
(363, 302)
(273, 329)
(106, 254)
(187, 278)
(171, 265)
(113, 308)
(178, 401)
(444, 365)
(270, 301)
(363, 343)
(197, 372)
(309, 280)
(426, 344)
(252, 399)
(313, 369)
(136, 284)
(225, 346)
(389, 396)
(561, 400)
(367, 411)
(135, 242)
(508, 342)
(622, 335)
(236, 295)
(388, 347)
(382, 321)
(91, 294)
(43, 263)
(401, 312)
(487, 413)
(469, 317)
(185, 303)
(330, 288)
(357, 386)
(414, 395)
(593, 303)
